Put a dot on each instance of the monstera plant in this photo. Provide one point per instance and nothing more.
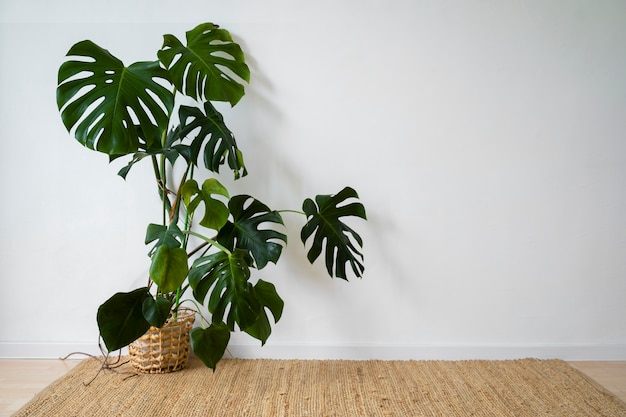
(162, 113)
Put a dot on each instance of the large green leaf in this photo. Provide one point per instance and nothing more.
(249, 230)
(113, 109)
(204, 68)
(331, 234)
(169, 268)
(211, 135)
(228, 275)
(209, 344)
(267, 296)
(120, 318)
(215, 212)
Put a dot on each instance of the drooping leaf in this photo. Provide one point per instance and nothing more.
(209, 344)
(156, 149)
(156, 311)
(112, 108)
(168, 268)
(204, 68)
(120, 318)
(137, 157)
(331, 234)
(210, 134)
(267, 296)
(250, 230)
(227, 274)
(215, 212)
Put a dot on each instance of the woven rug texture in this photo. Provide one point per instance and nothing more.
(239, 387)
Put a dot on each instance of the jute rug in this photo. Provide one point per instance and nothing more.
(275, 388)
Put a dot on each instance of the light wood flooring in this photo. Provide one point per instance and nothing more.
(22, 379)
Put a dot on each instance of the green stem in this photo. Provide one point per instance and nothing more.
(164, 189)
(177, 303)
(157, 173)
(176, 205)
(186, 223)
(203, 321)
(197, 249)
(291, 211)
(209, 240)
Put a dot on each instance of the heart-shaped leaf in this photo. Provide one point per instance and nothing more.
(209, 344)
(121, 320)
(331, 234)
(169, 268)
(156, 311)
(250, 230)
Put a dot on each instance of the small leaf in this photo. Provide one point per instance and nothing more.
(120, 318)
(138, 156)
(209, 344)
(215, 212)
(331, 234)
(156, 311)
(170, 235)
(169, 268)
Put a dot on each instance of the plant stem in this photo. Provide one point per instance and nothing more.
(209, 240)
(291, 211)
(203, 321)
(177, 303)
(163, 189)
(176, 205)
(196, 250)
(188, 219)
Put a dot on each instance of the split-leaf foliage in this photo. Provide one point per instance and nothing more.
(137, 112)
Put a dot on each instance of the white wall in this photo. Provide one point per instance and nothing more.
(487, 140)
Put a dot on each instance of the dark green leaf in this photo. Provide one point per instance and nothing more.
(169, 268)
(138, 156)
(170, 153)
(267, 297)
(120, 318)
(204, 68)
(209, 344)
(156, 311)
(324, 221)
(228, 274)
(111, 108)
(212, 135)
(245, 231)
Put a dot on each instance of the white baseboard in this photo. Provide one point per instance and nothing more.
(433, 352)
(356, 352)
(42, 350)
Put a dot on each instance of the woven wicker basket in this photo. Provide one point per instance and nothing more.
(166, 349)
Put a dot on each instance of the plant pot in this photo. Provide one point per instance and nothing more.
(165, 349)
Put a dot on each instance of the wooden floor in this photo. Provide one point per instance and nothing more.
(22, 379)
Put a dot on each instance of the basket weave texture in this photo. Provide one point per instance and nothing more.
(165, 349)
